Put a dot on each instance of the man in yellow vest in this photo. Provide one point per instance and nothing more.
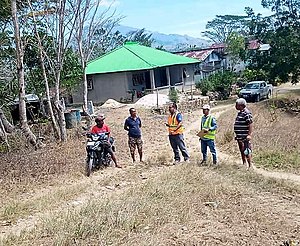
(208, 126)
(175, 128)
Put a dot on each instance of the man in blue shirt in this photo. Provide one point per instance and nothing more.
(208, 126)
(132, 125)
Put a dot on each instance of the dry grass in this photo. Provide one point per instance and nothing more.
(13, 209)
(185, 205)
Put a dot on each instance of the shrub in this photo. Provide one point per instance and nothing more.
(173, 95)
(220, 82)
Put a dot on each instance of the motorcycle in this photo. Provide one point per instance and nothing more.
(97, 156)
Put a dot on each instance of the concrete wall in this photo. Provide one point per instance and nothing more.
(176, 73)
(106, 86)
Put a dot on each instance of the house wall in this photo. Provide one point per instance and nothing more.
(105, 86)
(176, 73)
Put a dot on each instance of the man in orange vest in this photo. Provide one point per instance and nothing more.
(175, 128)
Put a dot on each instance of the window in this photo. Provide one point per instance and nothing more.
(138, 79)
(262, 85)
(90, 83)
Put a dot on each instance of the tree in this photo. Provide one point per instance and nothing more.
(281, 31)
(220, 28)
(141, 37)
(20, 75)
(92, 27)
(235, 47)
(41, 59)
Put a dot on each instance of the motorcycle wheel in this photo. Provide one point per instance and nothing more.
(89, 166)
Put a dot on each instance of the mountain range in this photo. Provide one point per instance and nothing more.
(170, 42)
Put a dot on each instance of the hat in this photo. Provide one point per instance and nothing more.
(206, 106)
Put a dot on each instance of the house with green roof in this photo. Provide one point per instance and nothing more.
(132, 69)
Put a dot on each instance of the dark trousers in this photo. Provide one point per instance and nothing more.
(177, 142)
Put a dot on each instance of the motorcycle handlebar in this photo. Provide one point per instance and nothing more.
(89, 134)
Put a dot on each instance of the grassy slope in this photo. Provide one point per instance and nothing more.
(276, 138)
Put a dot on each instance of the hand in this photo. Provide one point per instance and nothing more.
(248, 137)
(205, 130)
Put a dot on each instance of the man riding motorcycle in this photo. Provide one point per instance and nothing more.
(100, 127)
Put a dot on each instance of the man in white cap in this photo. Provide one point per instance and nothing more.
(208, 126)
(243, 128)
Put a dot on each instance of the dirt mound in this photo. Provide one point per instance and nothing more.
(150, 100)
(111, 103)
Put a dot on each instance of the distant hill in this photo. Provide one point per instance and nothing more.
(170, 42)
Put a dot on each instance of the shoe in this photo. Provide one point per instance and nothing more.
(176, 162)
(203, 163)
(187, 160)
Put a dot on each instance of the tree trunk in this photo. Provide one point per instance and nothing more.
(9, 128)
(60, 50)
(60, 112)
(53, 120)
(41, 58)
(20, 67)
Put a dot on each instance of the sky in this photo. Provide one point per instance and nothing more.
(179, 16)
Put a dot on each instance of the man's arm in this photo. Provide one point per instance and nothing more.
(249, 120)
(108, 130)
(250, 131)
(214, 125)
(126, 128)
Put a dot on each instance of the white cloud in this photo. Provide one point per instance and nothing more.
(109, 3)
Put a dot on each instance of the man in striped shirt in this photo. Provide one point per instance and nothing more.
(243, 128)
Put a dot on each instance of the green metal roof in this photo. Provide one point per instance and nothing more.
(132, 56)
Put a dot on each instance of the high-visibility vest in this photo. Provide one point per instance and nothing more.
(207, 125)
(173, 124)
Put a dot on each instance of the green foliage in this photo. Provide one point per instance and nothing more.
(235, 47)
(253, 74)
(72, 72)
(173, 95)
(220, 28)
(205, 86)
(281, 31)
(220, 82)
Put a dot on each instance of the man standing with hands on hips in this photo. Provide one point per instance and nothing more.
(176, 139)
(207, 138)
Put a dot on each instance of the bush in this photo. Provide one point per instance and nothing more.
(220, 82)
(253, 74)
(205, 86)
(173, 95)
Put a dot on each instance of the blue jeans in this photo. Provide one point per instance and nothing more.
(176, 142)
(211, 144)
